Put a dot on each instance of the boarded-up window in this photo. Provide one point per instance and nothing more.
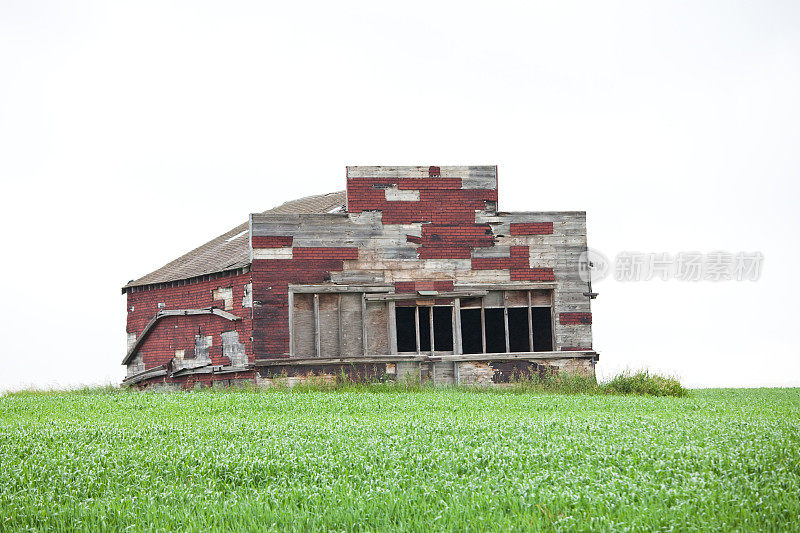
(377, 328)
(333, 325)
(303, 325)
(329, 324)
(351, 324)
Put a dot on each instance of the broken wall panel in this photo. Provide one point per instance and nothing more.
(329, 324)
(352, 342)
(176, 334)
(303, 325)
(377, 328)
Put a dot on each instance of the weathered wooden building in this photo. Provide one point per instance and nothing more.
(412, 273)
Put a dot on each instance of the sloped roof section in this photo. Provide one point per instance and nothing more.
(231, 250)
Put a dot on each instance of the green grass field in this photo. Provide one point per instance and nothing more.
(392, 460)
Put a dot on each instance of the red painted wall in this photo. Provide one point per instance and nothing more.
(449, 231)
(271, 279)
(178, 333)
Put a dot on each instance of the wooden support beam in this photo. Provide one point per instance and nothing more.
(317, 337)
(521, 356)
(340, 324)
(430, 317)
(173, 312)
(457, 348)
(512, 286)
(530, 323)
(483, 326)
(392, 327)
(364, 323)
(283, 361)
(158, 371)
(206, 311)
(554, 344)
(416, 325)
(291, 323)
(505, 320)
(415, 296)
(320, 289)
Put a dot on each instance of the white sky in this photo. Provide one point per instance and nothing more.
(132, 132)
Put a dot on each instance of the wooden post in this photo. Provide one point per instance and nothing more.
(483, 326)
(364, 323)
(554, 345)
(505, 320)
(341, 325)
(530, 324)
(392, 328)
(431, 332)
(291, 323)
(416, 325)
(457, 348)
(317, 340)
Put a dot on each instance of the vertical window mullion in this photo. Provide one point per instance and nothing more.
(505, 320)
(457, 348)
(430, 317)
(392, 327)
(317, 340)
(364, 323)
(291, 323)
(483, 326)
(340, 324)
(530, 324)
(416, 325)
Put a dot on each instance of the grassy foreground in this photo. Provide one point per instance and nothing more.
(398, 460)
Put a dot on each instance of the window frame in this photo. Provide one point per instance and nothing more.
(457, 326)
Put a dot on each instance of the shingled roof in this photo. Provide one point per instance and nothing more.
(231, 250)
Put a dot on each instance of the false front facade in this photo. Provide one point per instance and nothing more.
(412, 273)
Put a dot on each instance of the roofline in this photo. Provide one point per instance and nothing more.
(132, 287)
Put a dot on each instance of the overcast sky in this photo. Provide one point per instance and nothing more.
(132, 132)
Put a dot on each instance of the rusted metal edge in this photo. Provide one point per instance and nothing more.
(173, 312)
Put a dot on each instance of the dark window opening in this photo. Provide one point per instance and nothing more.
(471, 331)
(471, 334)
(443, 329)
(542, 329)
(518, 338)
(406, 330)
(495, 331)
(424, 329)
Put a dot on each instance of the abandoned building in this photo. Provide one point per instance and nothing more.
(411, 273)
